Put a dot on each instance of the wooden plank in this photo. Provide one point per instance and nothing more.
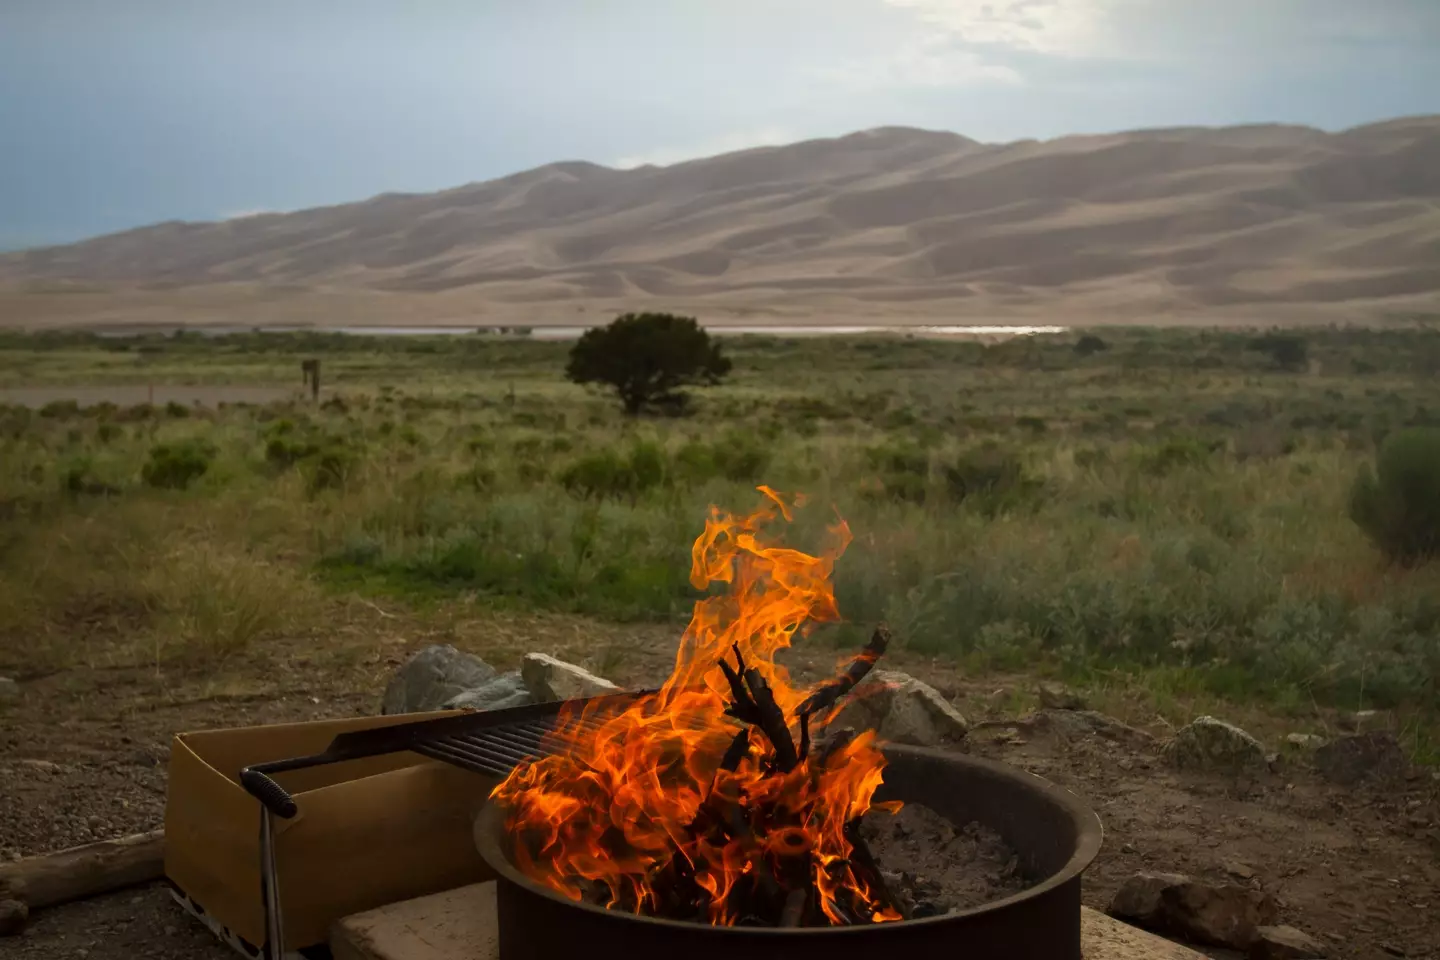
(45, 880)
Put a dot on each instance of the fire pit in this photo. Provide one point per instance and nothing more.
(730, 811)
(1054, 835)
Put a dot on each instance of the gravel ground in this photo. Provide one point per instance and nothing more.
(139, 924)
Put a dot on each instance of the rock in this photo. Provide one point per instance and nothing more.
(43, 766)
(1208, 744)
(1076, 724)
(14, 915)
(432, 677)
(550, 679)
(1053, 696)
(1285, 943)
(901, 709)
(1303, 740)
(1361, 756)
(9, 689)
(1225, 915)
(506, 690)
(1235, 868)
(1353, 722)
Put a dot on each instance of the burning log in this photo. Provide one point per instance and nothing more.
(826, 694)
(861, 856)
(670, 811)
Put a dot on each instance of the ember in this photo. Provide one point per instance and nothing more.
(722, 798)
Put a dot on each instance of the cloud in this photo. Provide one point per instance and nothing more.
(926, 63)
(1065, 27)
(773, 136)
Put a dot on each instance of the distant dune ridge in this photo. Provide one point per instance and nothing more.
(891, 222)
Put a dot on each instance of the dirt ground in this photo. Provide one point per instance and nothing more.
(82, 757)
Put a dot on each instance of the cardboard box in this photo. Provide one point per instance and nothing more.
(368, 832)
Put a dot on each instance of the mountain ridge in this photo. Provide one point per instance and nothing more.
(1185, 218)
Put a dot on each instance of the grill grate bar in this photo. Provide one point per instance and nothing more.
(477, 763)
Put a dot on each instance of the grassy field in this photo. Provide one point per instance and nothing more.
(1167, 513)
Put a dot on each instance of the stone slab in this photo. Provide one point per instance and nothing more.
(458, 924)
(1105, 938)
(462, 924)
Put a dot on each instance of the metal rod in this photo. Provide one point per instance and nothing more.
(467, 761)
(496, 748)
(270, 890)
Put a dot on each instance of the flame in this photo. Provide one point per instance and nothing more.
(634, 806)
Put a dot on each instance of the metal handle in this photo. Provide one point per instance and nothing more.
(271, 795)
(275, 801)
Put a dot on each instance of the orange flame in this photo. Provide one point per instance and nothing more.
(630, 802)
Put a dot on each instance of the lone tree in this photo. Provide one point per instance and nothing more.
(647, 358)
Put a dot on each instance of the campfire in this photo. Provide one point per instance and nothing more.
(724, 798)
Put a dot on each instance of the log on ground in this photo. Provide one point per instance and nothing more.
(87, 871)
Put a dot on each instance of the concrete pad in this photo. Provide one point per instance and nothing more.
(1105, 938)
(463, 925)
(458, 924)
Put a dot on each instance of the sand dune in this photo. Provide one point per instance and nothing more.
(890, 222)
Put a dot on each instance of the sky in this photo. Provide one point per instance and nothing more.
(119, 113)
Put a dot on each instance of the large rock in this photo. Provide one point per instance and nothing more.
(9, 689)
(432, 677)
(506, 690)
(1212, 745)
(1285, 943)
(548, 678)
(1225, 915)
(901, 709)
(1362, 756)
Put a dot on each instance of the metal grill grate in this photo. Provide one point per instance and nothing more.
(497, 750)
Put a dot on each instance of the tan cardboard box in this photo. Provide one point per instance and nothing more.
(368, 832)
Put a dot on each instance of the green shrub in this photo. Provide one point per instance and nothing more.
(1397, 503)
(1285, 350)
(737, 457)
(1033, 424)
(60, 410)
(176, 411)
(899, 472)
(331, 467)
(78, 479)
(1090, 344)
(991, 478)
(607, 474)
(174, 466)
(1175, 454)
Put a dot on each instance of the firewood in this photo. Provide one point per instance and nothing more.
(742, 707)
(771, 720)
(834, 742)
(736, 752)
(861, 856)
(823, 696)
(82, 872)
(794, 911)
